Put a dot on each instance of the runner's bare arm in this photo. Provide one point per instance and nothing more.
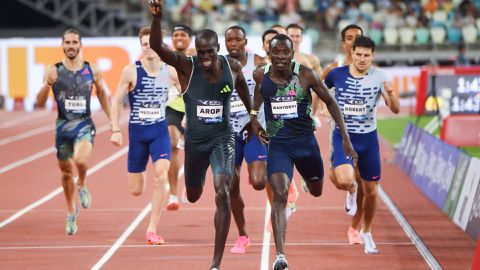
(49, 79)
(180, 62)
(100, 91)
(321, 90)
(317, 67)
(322, 108)
(257, 96)
(126, 84)
(391, 100)
(257, 103)
(240, 83)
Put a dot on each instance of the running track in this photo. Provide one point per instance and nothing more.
(111, 233)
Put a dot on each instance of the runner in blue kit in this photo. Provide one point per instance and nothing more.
(207, 81)
(355, 192)
(254, 152)
(146, 82)
(358, 88)
(285, 88)
(72, 80)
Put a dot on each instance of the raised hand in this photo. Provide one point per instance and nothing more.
(156, 7)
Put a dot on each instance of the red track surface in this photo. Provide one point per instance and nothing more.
(316, 236)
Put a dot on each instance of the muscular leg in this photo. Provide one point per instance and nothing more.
(357, 218)
(136, 183)
(236, 202)
(257, 171)
(66, 168)
(174, 164)
(222, 184)
(81, 153)
(344, 177)
(160, 191)
(279, 183)
(369, 203)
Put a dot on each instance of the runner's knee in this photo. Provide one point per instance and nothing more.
(258, 181)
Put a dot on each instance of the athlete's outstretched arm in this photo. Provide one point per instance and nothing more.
(322, 91)
(322, 108)
(257, 96)
(240, 83)
(177, 60)
(48, 80)
(391, 100)
(257, 102)
(101, 92)
(127, 82)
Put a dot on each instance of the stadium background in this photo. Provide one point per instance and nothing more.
(409, 35)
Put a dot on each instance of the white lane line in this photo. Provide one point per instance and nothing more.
(90, 210)
(43, 153)
(59, 190)
(26, 134)
(266, 239)
(127, 232)
(122, 238)
(23, 119)
(193, 245)
(26, 160)
(409, 231)
(29, 133)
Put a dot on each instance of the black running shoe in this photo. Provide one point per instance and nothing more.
(280, 263)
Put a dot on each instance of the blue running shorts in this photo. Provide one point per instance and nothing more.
(147, 140)
(368, 151)
(252, 150)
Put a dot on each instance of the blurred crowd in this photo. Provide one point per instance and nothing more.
(457, 21)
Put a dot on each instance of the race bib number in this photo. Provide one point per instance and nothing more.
(149, 113)
(237, 109)
(284, 107)
(210, 111)
(76, 105)
(355, 109)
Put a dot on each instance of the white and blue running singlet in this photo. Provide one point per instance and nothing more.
(357, 97)
(149, 97)
(238, 113)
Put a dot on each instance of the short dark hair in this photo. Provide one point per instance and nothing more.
(348, 27)
(280, 37)
(238, 27)
(267, 32)
(294, 26)
(72, 31)
(207, 34)
(364, 42)
(184, 28)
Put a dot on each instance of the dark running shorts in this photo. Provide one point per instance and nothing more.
(302, 151)
(174, 118)
(218, 152)
(69, 133)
